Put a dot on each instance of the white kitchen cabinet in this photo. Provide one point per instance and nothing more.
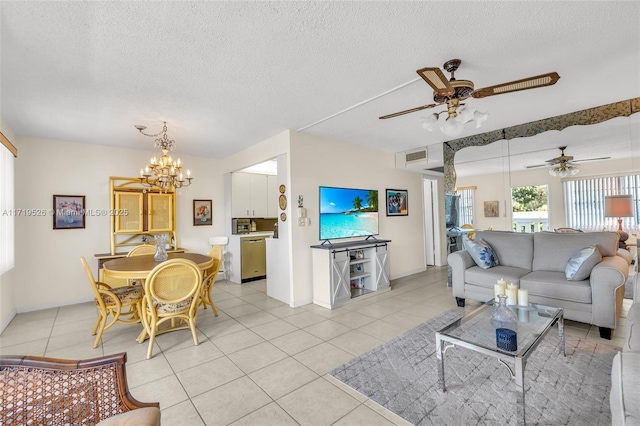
(249, 195)
(346, 270)
(272, 196)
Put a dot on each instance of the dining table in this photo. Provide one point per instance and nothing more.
(138, 267)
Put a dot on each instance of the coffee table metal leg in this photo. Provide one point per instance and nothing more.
(561, 334)
(520, 414)
(440, 355)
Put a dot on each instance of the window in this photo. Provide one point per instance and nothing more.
(584, 201)
(530, 208)
(7, 249)
(465, 206)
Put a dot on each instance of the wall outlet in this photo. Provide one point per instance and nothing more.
(301, 221)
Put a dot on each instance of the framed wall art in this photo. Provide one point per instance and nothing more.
(491, 209)
(397, 202)
(202, 212)
(68, 212)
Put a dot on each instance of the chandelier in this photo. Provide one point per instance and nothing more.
(564, 169)
(163, 172)
(456, 118)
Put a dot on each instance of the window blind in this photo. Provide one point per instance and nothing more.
(584, 201)
(7, 248)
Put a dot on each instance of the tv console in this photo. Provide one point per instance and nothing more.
(342, 271)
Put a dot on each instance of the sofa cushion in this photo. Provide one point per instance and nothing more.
(552, 251)
(554, 285)
(512, 248)
(481, 253)
(580, 264)
(488, 277)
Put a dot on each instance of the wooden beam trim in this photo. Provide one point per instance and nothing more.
(8, 144)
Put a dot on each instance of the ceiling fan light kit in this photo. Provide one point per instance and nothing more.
(452, 91)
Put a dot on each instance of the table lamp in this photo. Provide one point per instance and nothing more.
(619, 206)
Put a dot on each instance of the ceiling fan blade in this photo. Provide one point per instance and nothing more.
(395, 114)
(515, 86)
(536, 165)
(436, 79)
(590, 159)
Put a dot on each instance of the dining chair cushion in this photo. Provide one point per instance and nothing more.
(124, 294)
(172, 308)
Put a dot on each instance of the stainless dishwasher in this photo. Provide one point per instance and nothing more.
(253, 258)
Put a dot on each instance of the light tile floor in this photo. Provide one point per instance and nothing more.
(259, 362)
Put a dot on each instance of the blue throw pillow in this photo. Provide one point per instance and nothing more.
(580, 264)
(481, 253)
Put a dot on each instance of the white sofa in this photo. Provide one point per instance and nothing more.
(537, 262)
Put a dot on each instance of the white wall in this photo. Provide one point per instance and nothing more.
(322, 162)
(48, 268)
(7, 280)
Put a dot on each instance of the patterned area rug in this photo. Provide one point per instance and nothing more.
(628, 286)
(401, 375)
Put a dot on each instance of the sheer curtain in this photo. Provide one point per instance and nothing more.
(584, 201)
(7, 212)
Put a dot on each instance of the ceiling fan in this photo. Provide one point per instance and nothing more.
(452, 91)
(565, 161)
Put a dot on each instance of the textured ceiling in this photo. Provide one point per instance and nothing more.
(226, 75)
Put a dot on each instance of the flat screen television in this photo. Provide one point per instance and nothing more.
(348, 212)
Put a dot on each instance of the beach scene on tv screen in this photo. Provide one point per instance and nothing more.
(346, 212)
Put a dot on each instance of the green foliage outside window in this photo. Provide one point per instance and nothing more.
(529, 198)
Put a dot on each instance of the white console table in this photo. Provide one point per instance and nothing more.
(351, 269)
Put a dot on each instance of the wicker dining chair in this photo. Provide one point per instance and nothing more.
(121, 303)
(37, 391)
(208, 281)
(172, 293)
(141, 250)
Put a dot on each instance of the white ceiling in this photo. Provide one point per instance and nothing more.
(226, 75)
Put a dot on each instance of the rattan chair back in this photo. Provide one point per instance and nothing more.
(172, 292)
(142, 250)
(38, 390)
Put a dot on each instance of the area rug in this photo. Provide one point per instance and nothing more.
(401, 375)
(628, 286)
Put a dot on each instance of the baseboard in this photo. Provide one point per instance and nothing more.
(8, 320)
(53, 305)
(298, 303)
(406, 274)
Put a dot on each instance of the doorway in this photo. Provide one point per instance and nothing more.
(431, 221)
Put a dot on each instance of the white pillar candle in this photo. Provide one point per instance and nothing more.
(499, 288)
(523, 297)
(512, 294)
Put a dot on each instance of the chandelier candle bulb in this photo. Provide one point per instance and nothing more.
(512, 294)
(523, 297)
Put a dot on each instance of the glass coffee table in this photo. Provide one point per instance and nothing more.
(475, 331)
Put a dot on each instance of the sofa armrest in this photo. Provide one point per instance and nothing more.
(624, 253)
(632, 339)
(459, 261)
(606, 277)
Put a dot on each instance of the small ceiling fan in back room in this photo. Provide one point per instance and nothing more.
(564, 165)
(451, 92)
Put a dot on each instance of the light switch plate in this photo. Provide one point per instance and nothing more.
(308, 221)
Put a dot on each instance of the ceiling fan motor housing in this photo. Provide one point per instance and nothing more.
(462, 90)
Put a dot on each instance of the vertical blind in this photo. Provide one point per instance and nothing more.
(465, 206)
(7, 249)
(584, 201)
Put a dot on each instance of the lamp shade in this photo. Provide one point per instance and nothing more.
(618, 206)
